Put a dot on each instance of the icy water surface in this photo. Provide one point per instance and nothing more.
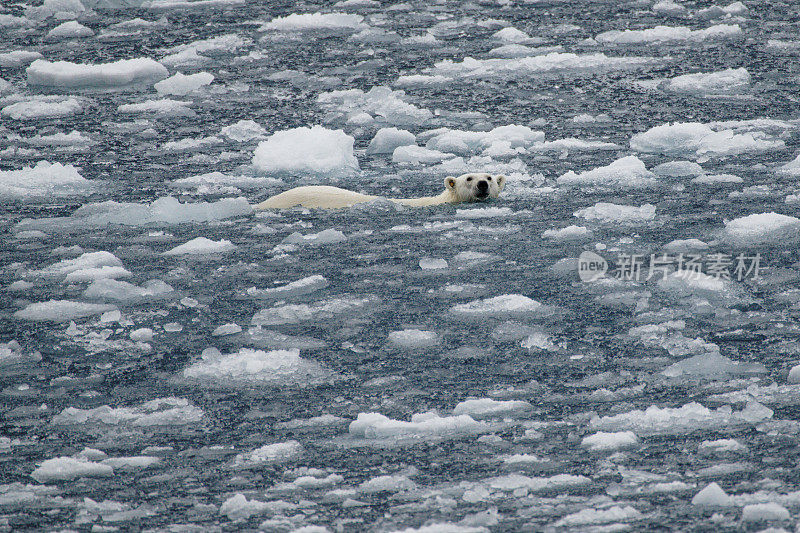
(172, 360)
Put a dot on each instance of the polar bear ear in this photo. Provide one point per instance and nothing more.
(501, 181)
(450, 182)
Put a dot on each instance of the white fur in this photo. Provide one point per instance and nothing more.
(464, 188)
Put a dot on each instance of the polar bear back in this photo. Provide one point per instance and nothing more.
(315, 196)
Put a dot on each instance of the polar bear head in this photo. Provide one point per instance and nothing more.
(475, 187)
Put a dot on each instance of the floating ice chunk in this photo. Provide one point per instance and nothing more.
(513, 482)
(290, 290)
(60, 311)
(69, 30)
(191, 144)
(762, 229)
(244, 131)
(771, 394)
(238, 507)
(271, 453)
(39, 107)
(68, 468)
(328, 236)
(626, 172)
(728, 81)
(503, 306)
(484, 212)
(525, 66)
(10, 21)
(116, 74)
(216, 181)
(395, 483)
(794, 375)
(679, 420)
(165, 210)
(164, 107)
(699, 139)
(202, 246)
(387, 139)
(17, 58)
(326, 309)
(44, 179)
(712, 364)
(513, 35)
(716, 179)
(73, 141)
(141, 335)
(124, 292)
(159, 412)
(678, 169)
(570, 233)
(190, 4)
(416, 155)
(413, 339)
(387, 105)
(315, 21)
(411, 80)
(720, 446)
(602, 441)
(11, 353)
(758, 512)
(430, 263)
(661, 34)
(422, 425)
(62, 9)
(487, 407)
(573, 144)
(248, 367)
(691, 283)
(712, 496)
(227, 329)
(181, 85)
(587, 517)
(668, 7)
(314, 150)
(466, 142)
(605, 212)
(86, 261)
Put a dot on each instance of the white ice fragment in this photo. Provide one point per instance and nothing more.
(506, 305)
(40, 107)
(387, 139)
(164, 107)
(512, 482)
(431, 263)
(603, 441)
(122, 291)
(413, 339)
(629, 172)
(394, 483)
(328, 236)
(181, 84)
(729, 81)
(669, 33)
(244, 131)
(487, 407)
(158, 412)
(326, 309)
(682, 138)
(383, 103)
(295, 288)
(202, 246)
(758, 512)
(587, 517)
(60, 311)
(422, 425)
(606, 212)
(227, 329)
(44, 179)
(116, 74)
(238, 507)
(570, 233)
(141, 335)
(68, 468)
(416, 155)
(270, 453)
(249, 366)
(314, 150)
(315, 21)
(69, 30)
(762, 229)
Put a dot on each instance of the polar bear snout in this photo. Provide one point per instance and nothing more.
(483, 188)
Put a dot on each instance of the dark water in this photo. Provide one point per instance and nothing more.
(523, 467)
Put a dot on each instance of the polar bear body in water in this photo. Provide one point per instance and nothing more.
(465, 188)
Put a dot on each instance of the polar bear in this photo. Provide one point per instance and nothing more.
(474, 187)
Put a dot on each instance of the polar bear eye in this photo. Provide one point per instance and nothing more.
(489, 178)
(469, 179)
